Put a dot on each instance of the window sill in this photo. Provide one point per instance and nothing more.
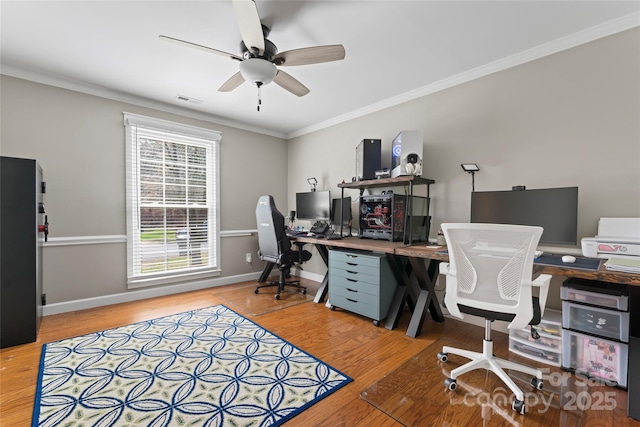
(170, 279)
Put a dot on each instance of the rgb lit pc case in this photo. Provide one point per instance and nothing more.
(382, 216)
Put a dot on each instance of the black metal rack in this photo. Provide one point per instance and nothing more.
(409, 180)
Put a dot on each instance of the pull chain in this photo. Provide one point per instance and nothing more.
(259, 95)
(259, 98)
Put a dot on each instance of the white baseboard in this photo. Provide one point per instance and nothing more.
(82, 304)
(311, 276)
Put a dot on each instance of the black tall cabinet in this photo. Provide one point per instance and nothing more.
(21, 222)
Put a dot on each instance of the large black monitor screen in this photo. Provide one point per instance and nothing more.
(314, 205)
(336, 206)
(554, 209)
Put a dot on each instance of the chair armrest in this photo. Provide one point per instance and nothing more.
(542, 282)
(444, 268)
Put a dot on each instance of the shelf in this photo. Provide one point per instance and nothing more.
(386, 182)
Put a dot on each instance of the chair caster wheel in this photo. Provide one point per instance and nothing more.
(450, 383)
(277, 296)
(537, 383)
(256, 291)
(443, 357)
(304, 292)
(518, 406)
(376, 322)
(332, 308)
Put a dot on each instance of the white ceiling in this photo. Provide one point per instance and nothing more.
(395, 50)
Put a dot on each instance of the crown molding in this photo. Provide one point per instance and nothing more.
(576, 39)
(600, 31)
(102, 92)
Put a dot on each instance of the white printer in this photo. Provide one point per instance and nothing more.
(619, 237)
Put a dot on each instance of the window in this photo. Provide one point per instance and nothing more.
(172, 202)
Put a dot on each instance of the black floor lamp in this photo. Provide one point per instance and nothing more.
(471, 168)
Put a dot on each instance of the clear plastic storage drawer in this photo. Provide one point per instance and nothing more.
(534, 352)
(546, 341)
(595, 357)
(618, 302)
(594, 320)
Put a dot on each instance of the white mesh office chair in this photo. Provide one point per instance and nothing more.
(489, 274)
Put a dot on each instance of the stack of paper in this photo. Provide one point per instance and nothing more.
(628, 265)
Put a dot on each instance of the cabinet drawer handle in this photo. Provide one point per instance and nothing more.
(352, 263)
(352, 272)
(352, 280)
(352, 256)
(352, 300)
(351, 290)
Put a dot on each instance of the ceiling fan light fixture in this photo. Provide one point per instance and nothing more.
(257, 70)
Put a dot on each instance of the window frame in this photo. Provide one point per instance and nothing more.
(185, 134)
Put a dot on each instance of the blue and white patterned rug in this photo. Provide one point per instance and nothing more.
(207, 367)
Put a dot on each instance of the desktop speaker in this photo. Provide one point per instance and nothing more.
(368, 159)
(406, 153)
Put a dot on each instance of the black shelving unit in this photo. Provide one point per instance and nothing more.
(408, 180)
(21, 215)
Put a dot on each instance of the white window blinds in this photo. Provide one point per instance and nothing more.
(172, 202)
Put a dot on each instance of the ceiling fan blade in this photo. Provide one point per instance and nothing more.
(287, 82)
(310, 55)
(199, 46)
(233, 82)
(249, 23)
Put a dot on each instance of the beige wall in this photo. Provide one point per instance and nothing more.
(79, 141)
(569, 119)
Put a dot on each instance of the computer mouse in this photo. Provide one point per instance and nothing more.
(568, 259)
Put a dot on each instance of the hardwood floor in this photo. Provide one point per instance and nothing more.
(346, 341)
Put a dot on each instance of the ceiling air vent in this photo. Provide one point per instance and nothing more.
(188, 99)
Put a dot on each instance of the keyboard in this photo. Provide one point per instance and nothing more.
(294, 233)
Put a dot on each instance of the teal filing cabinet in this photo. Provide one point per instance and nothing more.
(361, 282)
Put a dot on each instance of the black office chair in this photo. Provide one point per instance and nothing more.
(275, 246)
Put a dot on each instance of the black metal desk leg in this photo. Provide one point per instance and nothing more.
(426, 299)
(323, 291)
(417, 318)
(400, 295)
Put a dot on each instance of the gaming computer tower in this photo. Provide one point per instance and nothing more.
(407, 153)
(368, 159)
(382, 216)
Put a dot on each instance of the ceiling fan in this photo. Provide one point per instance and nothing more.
(260, 59)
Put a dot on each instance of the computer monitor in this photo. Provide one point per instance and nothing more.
(313, 206)
(554, 209)
(343, 205)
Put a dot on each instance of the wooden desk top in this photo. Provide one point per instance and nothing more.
(422, 251)
(352, 243)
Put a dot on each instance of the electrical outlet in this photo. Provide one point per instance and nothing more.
(248, 257)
